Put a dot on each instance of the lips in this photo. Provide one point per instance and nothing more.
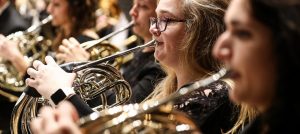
(157, 42)
(232, 74)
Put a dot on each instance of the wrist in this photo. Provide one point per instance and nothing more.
(61, 94)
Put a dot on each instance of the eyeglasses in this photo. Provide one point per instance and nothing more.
(161, 25)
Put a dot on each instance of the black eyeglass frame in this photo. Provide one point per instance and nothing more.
(158, 23)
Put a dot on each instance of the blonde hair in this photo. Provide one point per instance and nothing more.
(204, 24)
(246, 115)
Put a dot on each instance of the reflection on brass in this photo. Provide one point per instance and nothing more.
(101, 48)
(10, 97)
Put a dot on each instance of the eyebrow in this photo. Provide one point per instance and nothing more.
(165, 12)
(235, 22)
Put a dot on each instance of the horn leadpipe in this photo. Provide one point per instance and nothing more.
(92, 43)
(112, 57)
(31, 28)
(43, 22)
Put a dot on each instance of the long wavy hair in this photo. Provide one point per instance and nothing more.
(204, 24)
(82, 14)
(282, 17)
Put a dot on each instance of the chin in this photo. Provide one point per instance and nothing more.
(233, 97)
(158, 57)
(238, 96)
(54, 23)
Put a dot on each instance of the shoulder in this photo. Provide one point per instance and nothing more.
(208, 97)
(216, 89)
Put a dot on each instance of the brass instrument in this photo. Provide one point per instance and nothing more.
(93, 80)
(101, 48)
(32, 46)
(150, 117)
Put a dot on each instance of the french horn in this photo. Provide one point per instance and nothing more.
(101, 48)
(150, 117)
(93, 79)
(33, 47)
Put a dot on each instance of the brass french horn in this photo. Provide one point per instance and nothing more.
(33, 47)
(101, 48)
(157, 117)
(94, 78)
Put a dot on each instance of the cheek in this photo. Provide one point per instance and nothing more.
(175, 36)
(257, 77)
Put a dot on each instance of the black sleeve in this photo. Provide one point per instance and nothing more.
(146, 85)
(82, 108)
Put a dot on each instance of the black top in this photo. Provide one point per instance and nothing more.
(275, 121)
(142, 73)
(11, 21)
(210, 108)
(83, 38)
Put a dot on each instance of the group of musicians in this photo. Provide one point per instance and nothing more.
(188, 42)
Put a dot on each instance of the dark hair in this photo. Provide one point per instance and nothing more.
(82, 13)
(282, 17)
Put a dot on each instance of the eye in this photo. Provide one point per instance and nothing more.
(56, 4)
(243, 34)
(142, 6)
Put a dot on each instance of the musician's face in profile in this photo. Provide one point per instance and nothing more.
(246, 48)
(167, 48)
(140, 13)
(59, 10)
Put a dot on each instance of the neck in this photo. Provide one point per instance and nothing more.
(185, 76)
(67, 29)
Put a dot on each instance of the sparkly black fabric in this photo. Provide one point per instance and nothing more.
(210, 108)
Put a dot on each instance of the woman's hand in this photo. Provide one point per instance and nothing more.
(61, 120)
(47, 79)
(70, 50)
(9, 49)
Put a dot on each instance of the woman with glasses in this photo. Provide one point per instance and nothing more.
(185, 31)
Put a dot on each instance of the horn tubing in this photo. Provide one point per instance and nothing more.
(111, 57)
(90, 44)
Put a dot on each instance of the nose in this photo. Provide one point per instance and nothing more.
(223, 49)
(133, 12)
(153, 30)
(49, 8)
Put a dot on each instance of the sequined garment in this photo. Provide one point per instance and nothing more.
(210, 108)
